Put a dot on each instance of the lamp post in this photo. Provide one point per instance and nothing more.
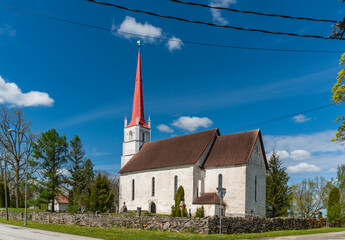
(26, 179)
(221, 194)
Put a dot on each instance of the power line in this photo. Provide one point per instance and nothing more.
(168, 39)
(252, 12)
(207, 23)
(280, 118)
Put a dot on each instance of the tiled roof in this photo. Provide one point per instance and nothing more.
(176, 151)
(208, 198)
(234, 149)
(60, 198)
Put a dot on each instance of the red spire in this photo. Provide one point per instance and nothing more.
(138, 101)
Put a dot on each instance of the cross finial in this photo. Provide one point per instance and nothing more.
(138, 42)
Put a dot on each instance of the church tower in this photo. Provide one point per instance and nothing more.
(137, 132)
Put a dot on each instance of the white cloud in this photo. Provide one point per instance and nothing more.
(319, 142)
(130, 25)
(10, 93)
(174, 44)
(7, 30)
(303, 167)
(281, 153)
(314, 149)
(165, 128)
(192, 123)
(300, 154)
(300, 118)
(131, 29)
(216, 14)
(332, 170)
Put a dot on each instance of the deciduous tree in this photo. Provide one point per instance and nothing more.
(309, 197)
(16, 141)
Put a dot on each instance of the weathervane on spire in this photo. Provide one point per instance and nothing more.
(138, 42)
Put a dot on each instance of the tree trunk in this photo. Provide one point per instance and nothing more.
(52, 210)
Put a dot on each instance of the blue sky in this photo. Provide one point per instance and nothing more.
(83, 78)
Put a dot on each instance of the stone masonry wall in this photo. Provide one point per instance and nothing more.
(160, 223)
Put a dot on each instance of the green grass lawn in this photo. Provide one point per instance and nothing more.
(121, 233)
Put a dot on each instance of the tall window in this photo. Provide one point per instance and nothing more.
(143, 137)
(175, 185)
(256, 180)
(153, 187)
(133, 190)
(130, 136)
(220, 181)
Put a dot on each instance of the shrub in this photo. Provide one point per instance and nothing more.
(176, 210)
(200, 212)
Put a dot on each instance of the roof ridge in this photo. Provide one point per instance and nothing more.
(165, 139)
(258, 129)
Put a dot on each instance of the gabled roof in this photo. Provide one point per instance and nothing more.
(208, 198)
(60, 198)
(176, 151)
(234, 149)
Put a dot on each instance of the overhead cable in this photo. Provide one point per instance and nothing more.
(208, 23)
(280, 118)
(252, 12)
(172, 39)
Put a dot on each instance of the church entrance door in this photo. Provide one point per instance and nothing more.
(153, 208)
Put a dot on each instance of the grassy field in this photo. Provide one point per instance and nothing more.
(120, 233)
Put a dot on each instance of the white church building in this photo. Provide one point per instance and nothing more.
(152, 171)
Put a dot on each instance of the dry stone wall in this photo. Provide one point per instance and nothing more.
(195, 225)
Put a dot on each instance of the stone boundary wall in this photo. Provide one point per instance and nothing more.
(194, 225)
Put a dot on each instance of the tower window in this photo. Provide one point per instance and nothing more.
(153, 187)
(143, 137)
(130, 136)
(133, 185)
(255, 188)
(220, 181)
(175, 185)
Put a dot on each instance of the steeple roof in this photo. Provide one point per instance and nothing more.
(138, 100)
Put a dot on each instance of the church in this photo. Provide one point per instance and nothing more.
(152, 171)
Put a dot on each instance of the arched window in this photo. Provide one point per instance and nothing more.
(133, 185)
(256, 183)
(220, 181)
(130, 136)
(175, 185)
(153, 187)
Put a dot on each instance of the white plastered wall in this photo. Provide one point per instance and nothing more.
(234, 180)
(164, 188)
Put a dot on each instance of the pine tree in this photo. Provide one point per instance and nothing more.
(333, 210)
(101, 194)
(51, 150)
(89, 176)
(278, 193)
(77, 179)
